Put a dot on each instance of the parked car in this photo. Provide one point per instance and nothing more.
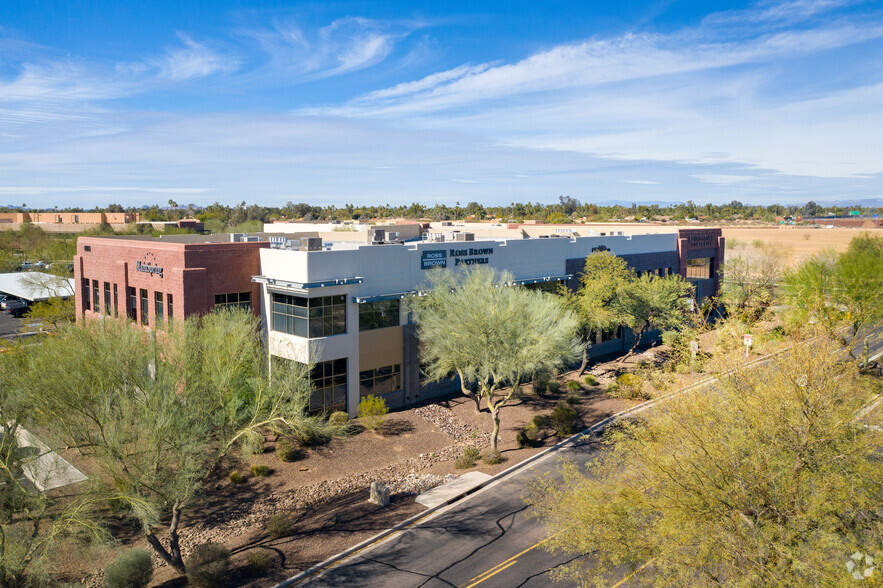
(25, 266)
(17, 308)
(6, 300)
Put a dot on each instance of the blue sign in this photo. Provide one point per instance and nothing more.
(434, 258)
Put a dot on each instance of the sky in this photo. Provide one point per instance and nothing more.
(439, 102)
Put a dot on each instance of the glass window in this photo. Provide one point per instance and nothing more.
(308, 317)
(380, 380)
(132, 309)
(116, 301)
(107, 303)
(85, 286)
(328, 379)
(144, 302)
(96, 302)
(158, 309)
(379, 314)
(170, 309)
(233, 300)
(700, 269)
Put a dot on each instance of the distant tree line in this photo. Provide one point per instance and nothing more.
(219, 217)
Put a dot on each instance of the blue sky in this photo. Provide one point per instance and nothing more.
(396, 102)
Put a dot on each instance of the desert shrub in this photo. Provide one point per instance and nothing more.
(372, 410)
(572, 399)
(260, 471)
(253, 444)
(279, 525)
(553, 387)
(541, 382)
(207, 565)
(259, 561)
(757, 243)
(339, 418)
(590, 380)
(807, 236)
(629, 386)
(573, 386)
(132, 569)
(468, 459)
(286, 450)
(563, 419)
(492, 457)
(540, 421)
(528, 436)
(236, 477)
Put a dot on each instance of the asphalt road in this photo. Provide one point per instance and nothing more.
(484, 540)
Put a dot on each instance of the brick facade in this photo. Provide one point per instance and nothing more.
(191, 273)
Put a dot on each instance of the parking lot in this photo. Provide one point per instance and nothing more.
(10, 325)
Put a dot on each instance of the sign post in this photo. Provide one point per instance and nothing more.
(747, 340)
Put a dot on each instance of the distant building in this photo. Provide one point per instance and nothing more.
(68, 222)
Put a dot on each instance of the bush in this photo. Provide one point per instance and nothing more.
(590, 380)
(259, 561)
(573, 386)
(207, 565)
(528, 436)
(372, 409)
(572, 399)
(279, 525)
(492, 457)
(540, 421)
(339, 418)
(261, 471)
(554, 387)
(132, 569)
(629, 386)
(468, 459)
(563, 419)
(236, 477)
(286, 450)
(541, 382)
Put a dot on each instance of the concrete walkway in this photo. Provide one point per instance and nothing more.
(44, 468)
(452, 490)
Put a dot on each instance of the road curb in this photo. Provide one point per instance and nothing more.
(499, 476)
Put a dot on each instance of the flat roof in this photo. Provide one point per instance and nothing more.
(36, 286)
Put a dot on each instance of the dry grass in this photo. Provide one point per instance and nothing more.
(800, 243)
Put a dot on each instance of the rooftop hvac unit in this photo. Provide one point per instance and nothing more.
(236, 237)
(464, 236)
(309, 244)
(378, 236)
(393, 236)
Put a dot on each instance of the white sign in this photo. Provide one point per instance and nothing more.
(694, 346)
(747, 339)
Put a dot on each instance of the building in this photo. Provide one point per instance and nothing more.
(68, 222)
(339, 306)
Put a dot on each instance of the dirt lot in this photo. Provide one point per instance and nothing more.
(801, 243)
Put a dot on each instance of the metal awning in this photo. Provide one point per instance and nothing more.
(36, 286)
(543, 279)
(306, 285)
(396, 296)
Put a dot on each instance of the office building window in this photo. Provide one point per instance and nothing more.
(158, 310)
(107, 300)
(700, 269)
(116, 301)
(132, 309)
(309, 317)
(233, 300)
(328, 379)
(170, 309)
(380, 380)
(84, 284)
(379, 314)
(96, 301)
(608, 335)
(144, 304)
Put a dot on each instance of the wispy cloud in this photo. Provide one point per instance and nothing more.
(193, 60)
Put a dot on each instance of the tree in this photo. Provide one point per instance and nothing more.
(750, 281)
(768, 480)
(490, 333)
(596, 303)
(54, 311)
(155, 415)
(654, 302)
(844, 289)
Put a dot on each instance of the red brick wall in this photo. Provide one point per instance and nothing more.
(701, 243)
(191, 272)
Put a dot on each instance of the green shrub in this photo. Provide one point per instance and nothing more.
(572, 399)
(468, 459)
(573, 386)
(207, 565)
(492, 457)
(590, 380)
(279, 525)
(757, 243)
(286, 450)
(541, 382)
(563, 419)
(629, 386)
(259, 561)
(339, 418)
(554, 387)
(236, 477)
(132, 569)
(253, 444)
(540, 421)
(372, 409)
(260, 471)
